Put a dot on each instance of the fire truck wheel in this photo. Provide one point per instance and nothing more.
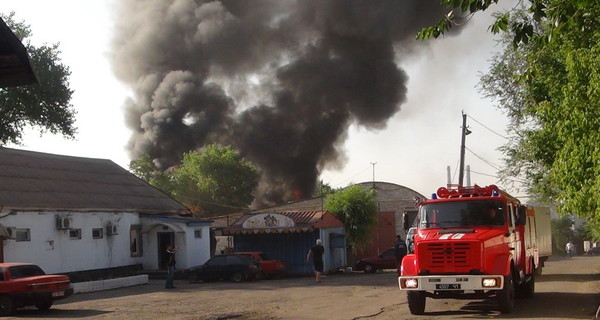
(416, 302)
(506, 296)
(528, 287)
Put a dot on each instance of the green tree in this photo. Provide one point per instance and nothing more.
(216, 180)
(146, 170)
(548, 82)
(46, 105)
(323, 189)
(218, 175)
(356, 207)
(562, 233)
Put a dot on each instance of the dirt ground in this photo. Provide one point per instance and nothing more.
(568, 289)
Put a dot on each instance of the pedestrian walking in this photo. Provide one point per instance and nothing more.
(570, 248)
(171, 267)
(316, 253)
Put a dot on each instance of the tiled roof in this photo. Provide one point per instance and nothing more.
(41, 181)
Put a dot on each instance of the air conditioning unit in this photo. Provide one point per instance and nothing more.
(111, 229)
(63, 223)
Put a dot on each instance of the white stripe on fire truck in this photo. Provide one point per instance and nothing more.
(452, 236)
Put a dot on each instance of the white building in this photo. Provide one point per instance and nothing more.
(72, 214)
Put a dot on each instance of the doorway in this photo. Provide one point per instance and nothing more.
(165, 239)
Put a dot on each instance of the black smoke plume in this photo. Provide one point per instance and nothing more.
(281, 81)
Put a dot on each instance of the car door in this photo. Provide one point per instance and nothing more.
(234, 264)
(213, 268)
(388, 259)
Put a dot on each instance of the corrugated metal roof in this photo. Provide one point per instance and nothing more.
(41, 181)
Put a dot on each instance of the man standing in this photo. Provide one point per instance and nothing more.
(317, 255)
(171, 267)
(400, 250)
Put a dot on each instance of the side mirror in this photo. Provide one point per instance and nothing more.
(410, 240)
(521, 216)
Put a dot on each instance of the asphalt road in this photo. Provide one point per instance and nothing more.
(568, 289)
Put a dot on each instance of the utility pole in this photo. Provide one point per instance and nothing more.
(465, 132)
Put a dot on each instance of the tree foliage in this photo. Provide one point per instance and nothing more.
(548, 82)
(45, 105)
(356, 208)
(216, 180)
(562, 232)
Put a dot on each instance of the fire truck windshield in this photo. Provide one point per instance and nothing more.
(459, 214)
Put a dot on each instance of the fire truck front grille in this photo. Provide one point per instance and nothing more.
(450, 257)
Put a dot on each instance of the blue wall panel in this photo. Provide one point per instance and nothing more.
(289, 247)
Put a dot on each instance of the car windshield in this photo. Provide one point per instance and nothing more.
(458, 214)
(25, 271)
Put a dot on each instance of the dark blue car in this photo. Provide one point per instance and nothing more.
(225, 266)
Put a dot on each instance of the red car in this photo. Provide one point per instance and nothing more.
(270, 267)
(385, 260)
(26, 284)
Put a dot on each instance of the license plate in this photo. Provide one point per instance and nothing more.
(58, 294)
(447, 286)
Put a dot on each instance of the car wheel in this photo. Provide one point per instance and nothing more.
(237, 277)
(45, 305)
(194, 277)
(506, 296)
(369, 269)
(416, 302)
(7, 306)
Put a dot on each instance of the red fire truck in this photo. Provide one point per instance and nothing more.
(472, 243)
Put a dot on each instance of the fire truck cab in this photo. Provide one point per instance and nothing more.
(470, 243)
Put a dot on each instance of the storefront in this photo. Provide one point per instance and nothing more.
(289, 235)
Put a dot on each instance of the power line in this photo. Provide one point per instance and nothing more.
(455, 170)
(484, 160)
(494, 176)
(483, 125)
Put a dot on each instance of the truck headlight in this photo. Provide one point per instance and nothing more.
(490, 282)
(410, 283)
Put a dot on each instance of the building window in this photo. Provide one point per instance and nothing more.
(75, 234)
(97, 233)
(198, 233)
(135, 240)
(22, 235)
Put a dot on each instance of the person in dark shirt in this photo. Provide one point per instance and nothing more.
(400, 250)
(170, 267)
(316, 253)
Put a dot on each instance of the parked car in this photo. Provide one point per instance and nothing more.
(225, 266)
(26, 284)
(270, 268)
(593, 251)
(385, 260)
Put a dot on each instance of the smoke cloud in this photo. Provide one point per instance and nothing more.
(279, 80)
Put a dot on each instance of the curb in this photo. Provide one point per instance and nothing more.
(100, 285)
